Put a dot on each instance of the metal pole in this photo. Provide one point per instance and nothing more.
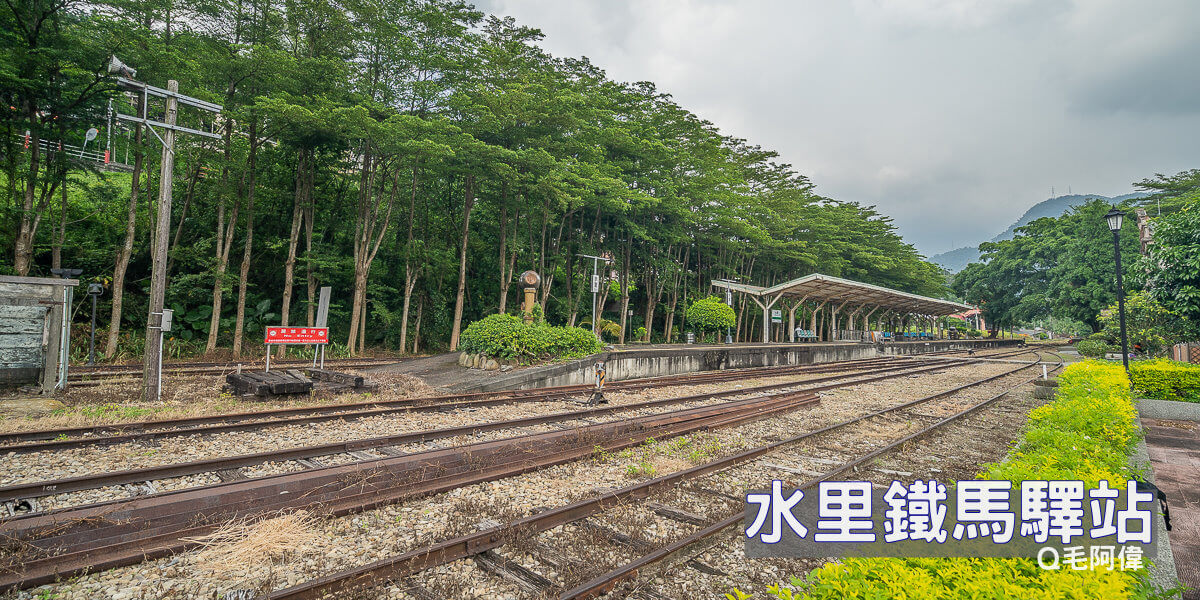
(158, 379)
(152, 371)
(268, 369)
(1121, 300)
(595, 269)
(92, 336)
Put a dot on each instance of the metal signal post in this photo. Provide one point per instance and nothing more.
(155, 324)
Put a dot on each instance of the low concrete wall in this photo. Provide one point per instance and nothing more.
(658, 362)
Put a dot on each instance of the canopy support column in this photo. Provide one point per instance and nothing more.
(792, 319)
(766, 308)
(833, 321)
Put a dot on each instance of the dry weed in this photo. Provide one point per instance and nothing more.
(241, 545)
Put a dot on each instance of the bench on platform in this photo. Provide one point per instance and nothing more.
(806, 335)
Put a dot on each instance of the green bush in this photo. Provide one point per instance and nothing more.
(509, 337)
(1166, 379)
(1092, 348)
(639, 333)
(710, 314)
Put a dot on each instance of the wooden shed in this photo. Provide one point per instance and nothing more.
(34, 332)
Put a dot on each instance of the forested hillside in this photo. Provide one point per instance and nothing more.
(414, 155)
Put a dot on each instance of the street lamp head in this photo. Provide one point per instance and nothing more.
(1114, 218)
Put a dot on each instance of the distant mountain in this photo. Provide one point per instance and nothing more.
(957, 259)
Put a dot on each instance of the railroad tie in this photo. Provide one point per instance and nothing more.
(26, 505)
(494, 563)
(677, 514)
(309, 463)
(390, 451)
(139, 489)
(227, 475)
(705, 568)
(360, 455)
(616, 536)
(795, 470)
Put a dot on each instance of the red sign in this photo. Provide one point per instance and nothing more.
(297, 335)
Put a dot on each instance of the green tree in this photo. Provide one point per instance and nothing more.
(1151, 328)
(710, 314)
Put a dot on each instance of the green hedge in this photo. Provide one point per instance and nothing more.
(509, 337)
(1091, 348)
(1166, 379)
(1088, 433)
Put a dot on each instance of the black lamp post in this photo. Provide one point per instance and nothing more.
(1115, 218)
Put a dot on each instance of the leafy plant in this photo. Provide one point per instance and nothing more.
(1092, 348)
(509, 337)
(710, 314)
(1151, 327)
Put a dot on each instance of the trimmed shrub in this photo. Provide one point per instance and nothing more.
(509, 337)
(1092, 348)
(1166, 379)
(710, 314)
(639, 333)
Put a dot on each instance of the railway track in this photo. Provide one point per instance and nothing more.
(128, 531)
(92, 373)
(61, 438)
(483, 544)
(72, 437)
(23, 493)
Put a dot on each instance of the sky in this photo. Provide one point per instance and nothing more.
(951, 116)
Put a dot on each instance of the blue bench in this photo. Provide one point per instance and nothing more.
(806, 335)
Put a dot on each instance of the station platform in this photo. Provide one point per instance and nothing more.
(633, 361)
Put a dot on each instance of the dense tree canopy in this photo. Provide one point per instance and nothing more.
(1061, 267)
(413, 154)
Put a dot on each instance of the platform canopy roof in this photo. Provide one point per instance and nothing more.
(826, 288)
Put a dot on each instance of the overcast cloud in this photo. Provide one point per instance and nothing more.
(952, 116)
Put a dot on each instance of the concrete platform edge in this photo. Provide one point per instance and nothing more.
(1162, 572)
(1174, 410)
(655, 362)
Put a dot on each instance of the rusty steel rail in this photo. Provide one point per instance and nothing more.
(604, 583)
(96, 373)
(57, 439)
(414, 561)
(97, 537)
(39, 489)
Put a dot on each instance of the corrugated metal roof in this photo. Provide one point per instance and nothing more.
(826, 288)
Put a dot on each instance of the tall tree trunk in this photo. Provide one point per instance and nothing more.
(244, 274)
(224, 242)
(187, 201)
(505, 274)
(310, 272)
(126, 250)
(369, 233)
(410, 273)
(468, 203)
(60, 234)
(675, 288)
(417, 332)
(289, 265)
(625, 288)
(23, 250)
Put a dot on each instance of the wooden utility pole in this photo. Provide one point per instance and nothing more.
(152, 358)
